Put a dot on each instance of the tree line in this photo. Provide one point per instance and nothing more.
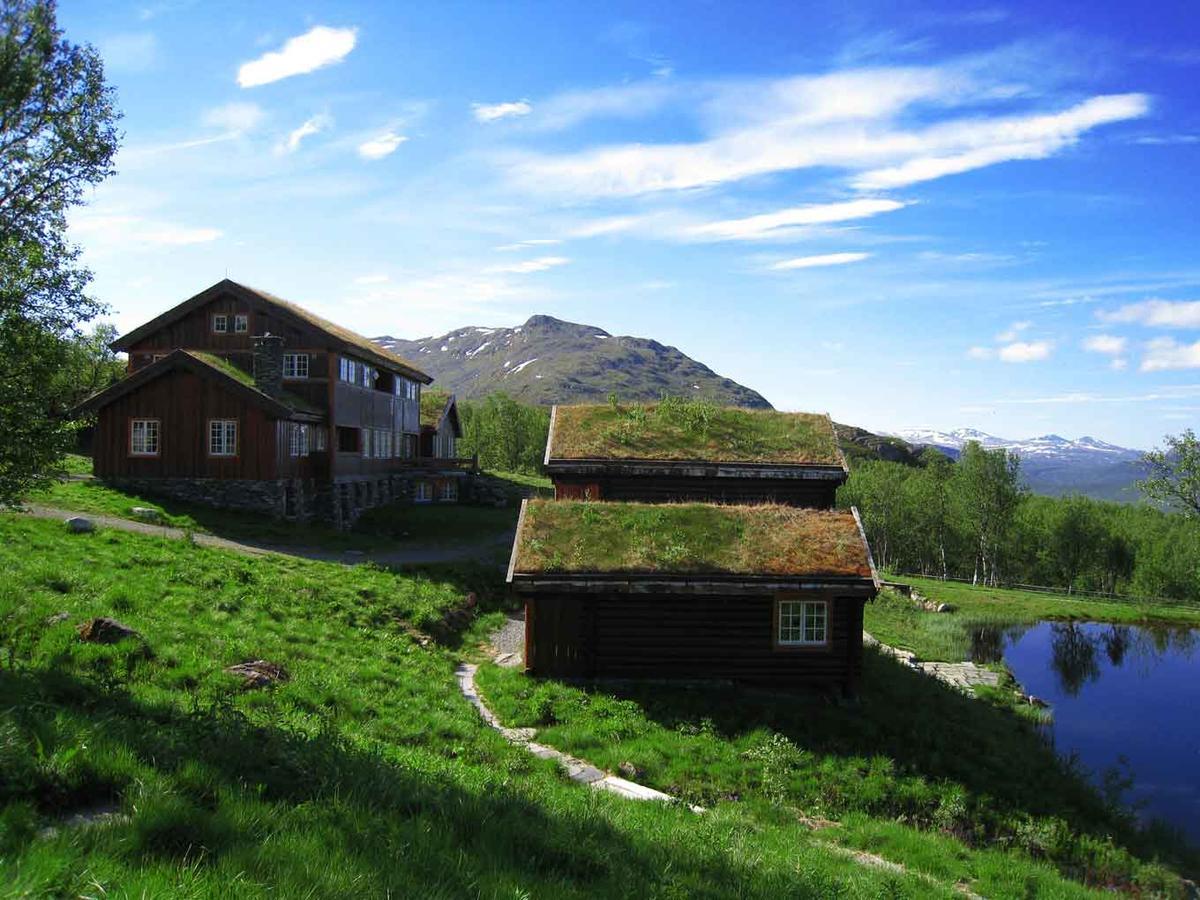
(973, 519)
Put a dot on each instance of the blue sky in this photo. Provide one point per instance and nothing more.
(904, 214)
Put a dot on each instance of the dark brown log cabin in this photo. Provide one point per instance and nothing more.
(668, 453)
(762, 594)
(341, 430)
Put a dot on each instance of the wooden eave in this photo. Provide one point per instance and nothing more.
(182, 359)
(698, 584)
(360, 346)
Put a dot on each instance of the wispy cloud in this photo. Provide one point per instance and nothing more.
(376, 278)
(234, 118)
(1013, 331)
(319, 47)
(1163, 354)
(491, 112)
(1156, 313)
(532, 242)
(541, 264)
(104, 231)
(1014, 351)
(315, 125)
(379, 147)
(130, 52)
(1108, 344)
(824, 259)
(783, 221)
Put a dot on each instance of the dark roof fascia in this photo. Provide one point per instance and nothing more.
(451, 410)
(658, 583)
(178, 359)
(124, 342)
(693, 469)
(862, 533)
(512, 559)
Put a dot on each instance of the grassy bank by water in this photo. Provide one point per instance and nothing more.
(364, 774)
(897, 621)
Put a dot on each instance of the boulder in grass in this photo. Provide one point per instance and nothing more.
(259, 673)
(147, 513)
(79, 525)
(103, 630)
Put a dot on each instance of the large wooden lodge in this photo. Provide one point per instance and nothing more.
(236, 398)
(693, 550)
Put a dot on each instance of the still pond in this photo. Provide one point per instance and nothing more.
(1125, 702)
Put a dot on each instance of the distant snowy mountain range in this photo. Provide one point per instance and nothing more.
(1050, 464)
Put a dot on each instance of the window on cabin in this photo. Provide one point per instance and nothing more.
(298, 443)
(347, 370)
(448, 491)
(222, 437)
(347, 440)
(155, 357)
(410, 446)
(241, 324)
(143, 437)
(367, 375)
(422, 492)
(366, 442)
(220, 324)
(318, 438)
(407, 389)
(802, 623)
(295, 365)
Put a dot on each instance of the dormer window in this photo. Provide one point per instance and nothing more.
(220, 324)
(241, 324)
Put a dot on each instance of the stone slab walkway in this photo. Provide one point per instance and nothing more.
(963, 675)
(578, 770)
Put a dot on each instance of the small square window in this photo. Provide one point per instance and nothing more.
(222, 437)
(295, 365)
(143, 437)
(241, 324)
(448, 491)
(802, 623)
(422, 492)
(220, 324)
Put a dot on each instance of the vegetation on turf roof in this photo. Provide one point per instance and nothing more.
(433, 404)
(681, 430)
(225, 367)
(687, 538)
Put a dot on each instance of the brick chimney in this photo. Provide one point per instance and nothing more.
(268, 364)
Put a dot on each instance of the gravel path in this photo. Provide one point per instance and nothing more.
(405, 556)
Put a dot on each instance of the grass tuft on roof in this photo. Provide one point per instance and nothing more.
(287, 398)
(689, 538)
(687, 430)
(433, 404)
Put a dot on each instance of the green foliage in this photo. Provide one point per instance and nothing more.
(1174, 476)
(57, 136)
(506, 435)
(970, 520)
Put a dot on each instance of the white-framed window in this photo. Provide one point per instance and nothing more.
(241, 323)
(397, 444)
(410, 446)
(368, 375)
(298, 440)
(422, 492)
(448, 491)
(365, 439)
(295, 365)
(347, 370)
(222, 437)
(383, 443)
(220, 323)
(802, 623)
(409, 390)
(143, 437)
(318, 438)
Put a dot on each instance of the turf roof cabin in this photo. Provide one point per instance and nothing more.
(763, 593)
(238, 398)
(684, 450)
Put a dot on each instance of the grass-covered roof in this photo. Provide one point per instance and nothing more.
(687, 430)
(561, 537)
(433, 404)
(241, 375)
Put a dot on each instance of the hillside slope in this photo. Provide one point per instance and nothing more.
(547, 361)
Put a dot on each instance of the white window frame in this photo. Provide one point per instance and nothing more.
(292, 365)
(220, 323)
(364, 439)
(407, 388)
(149, 435)
(382, 442)
(422, 492)
(241, 323)
(448, 491)
(298, 443)
(346, 370)
(155, 357)
(223, 443)
(801, 623)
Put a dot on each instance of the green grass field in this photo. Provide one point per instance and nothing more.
(366, 774)
(895, 620)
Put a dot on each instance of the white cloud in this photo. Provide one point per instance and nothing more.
(1108, 344)
(609, 225)
(379, 147)
(319, 47)
(491, 112)
(1025, 351)
(315, 125)
(541, 264)
(378, 278)
(981, 353)
(858, 120)
(532, 242)
(1166, 353)
(1013, 332)
(772, 224)
(824, 259)
(103, 232)
(1160, 313)
(1119, 364)
(234, 118)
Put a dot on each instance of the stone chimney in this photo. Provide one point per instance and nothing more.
(268, 364)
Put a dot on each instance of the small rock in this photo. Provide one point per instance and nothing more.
(946, 608)
(630, 771)
(259, 673)
(1037, 701)
(57, 618)
(79, 525)
(103, 630)
(471, 600)
(146, 513)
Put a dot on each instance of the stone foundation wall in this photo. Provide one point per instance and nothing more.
(264, 497)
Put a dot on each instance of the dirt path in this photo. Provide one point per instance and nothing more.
(482, 551)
